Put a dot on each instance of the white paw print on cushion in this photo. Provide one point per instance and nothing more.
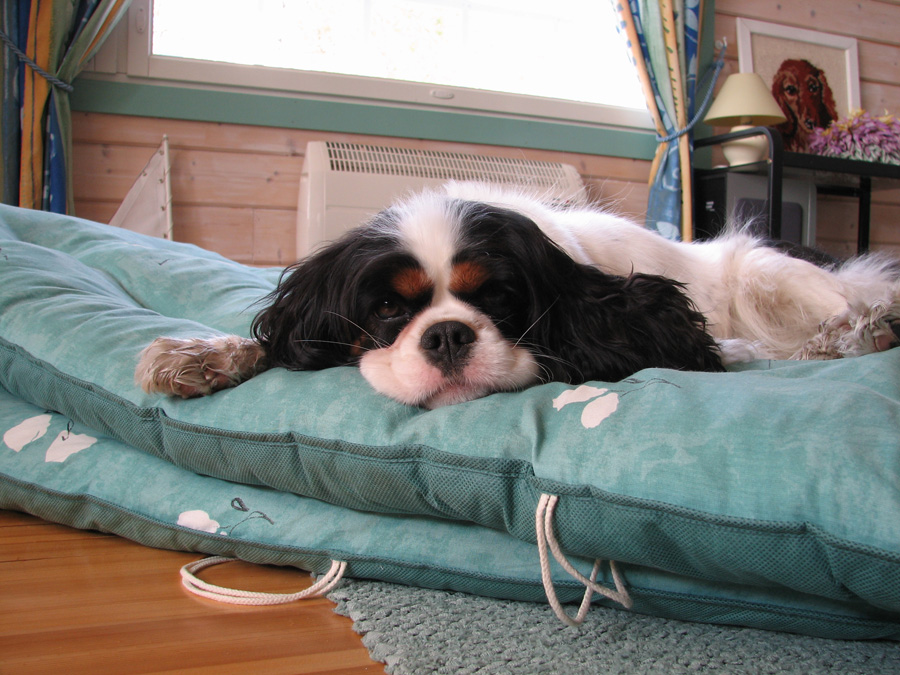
(601, 403)
(26, 432)
(63, 446)
(198, 519)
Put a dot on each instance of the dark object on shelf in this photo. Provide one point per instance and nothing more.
(744, 197)
(831, 175)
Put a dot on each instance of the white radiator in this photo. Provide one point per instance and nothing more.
(344, 184)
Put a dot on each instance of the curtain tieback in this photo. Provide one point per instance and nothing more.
(55, 81)
(713, 71)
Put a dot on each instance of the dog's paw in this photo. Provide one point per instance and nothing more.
(196, 366)
(735, 350)
(889, 334)
(855, 333)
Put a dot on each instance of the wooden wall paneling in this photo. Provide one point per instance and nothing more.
(863, 19)
(274, 237)
(235, 187)
(124, 130)
(836, 233)
(225, 230)
(100, 212)
(235, 179)
(106, 172)
(879, 98)
(127, 130)
(879, 62)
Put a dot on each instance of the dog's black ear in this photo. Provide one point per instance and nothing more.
(310, 321)
(605, 327)
(583, 324)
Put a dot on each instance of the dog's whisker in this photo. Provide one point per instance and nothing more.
(568, 364)
(535, 322)
(376, 340)
(334, 342)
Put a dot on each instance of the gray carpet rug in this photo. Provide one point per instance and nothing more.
(418, 631)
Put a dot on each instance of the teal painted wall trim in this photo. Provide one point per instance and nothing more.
(151, 100)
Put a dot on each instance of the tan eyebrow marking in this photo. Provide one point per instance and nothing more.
(467, 277)
(412, 282)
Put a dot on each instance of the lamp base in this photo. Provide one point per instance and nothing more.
(745, 150)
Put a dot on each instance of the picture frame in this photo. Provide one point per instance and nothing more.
(778, 52)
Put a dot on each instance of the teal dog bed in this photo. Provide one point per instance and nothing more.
(768, 496)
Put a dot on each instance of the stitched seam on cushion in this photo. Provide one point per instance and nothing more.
(344, 448)
(92, 500)
(763, 528)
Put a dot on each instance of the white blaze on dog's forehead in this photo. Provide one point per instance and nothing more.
(429, 226)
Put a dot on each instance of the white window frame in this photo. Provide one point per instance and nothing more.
(140, 64)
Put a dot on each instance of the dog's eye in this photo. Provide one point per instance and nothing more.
(496, 297)
(493, 299)
(388, 309)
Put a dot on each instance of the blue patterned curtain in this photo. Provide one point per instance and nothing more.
(663, 36)
(45, 44)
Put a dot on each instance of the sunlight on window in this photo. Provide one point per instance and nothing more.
(565, 49)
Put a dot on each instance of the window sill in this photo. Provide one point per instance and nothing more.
(117, 95)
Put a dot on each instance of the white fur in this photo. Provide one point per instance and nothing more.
(401, 371)
(429, 228)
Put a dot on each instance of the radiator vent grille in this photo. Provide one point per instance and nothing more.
(344, 184)
(387, 161)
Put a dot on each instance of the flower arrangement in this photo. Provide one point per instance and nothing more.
(860, 136)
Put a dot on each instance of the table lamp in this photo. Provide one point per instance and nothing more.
(743, 102)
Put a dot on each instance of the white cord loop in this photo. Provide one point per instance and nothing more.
(237, 597)
(547, 539)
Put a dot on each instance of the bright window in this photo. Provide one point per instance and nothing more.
(548, 59)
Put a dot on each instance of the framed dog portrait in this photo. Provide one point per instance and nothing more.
(813, 76)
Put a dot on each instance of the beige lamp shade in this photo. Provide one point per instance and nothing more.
(744, 100)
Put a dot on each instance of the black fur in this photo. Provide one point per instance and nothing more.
(811, 255)
(579, 322)
(316, 315)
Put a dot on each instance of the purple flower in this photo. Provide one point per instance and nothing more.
(860, 136)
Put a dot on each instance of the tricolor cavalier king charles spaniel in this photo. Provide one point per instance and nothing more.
(454, 294)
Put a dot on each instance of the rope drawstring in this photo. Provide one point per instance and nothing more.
(55, 81)
(546, 539)
(237, 597)
(714, 70)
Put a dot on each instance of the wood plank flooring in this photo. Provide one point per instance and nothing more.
(76, 602)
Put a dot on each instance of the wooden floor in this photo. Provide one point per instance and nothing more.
(84, 602)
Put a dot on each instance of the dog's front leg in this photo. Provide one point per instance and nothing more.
(198, 366)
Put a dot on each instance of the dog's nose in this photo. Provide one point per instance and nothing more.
(447, 344)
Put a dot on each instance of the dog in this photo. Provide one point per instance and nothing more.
(805, 97)
(453, 294)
